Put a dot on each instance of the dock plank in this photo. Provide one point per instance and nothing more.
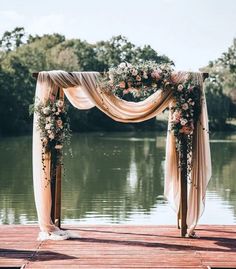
(119, 246)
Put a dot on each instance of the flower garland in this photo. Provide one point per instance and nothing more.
(132, 83)
(136, 83)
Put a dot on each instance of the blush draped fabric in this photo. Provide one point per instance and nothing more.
(83, 92)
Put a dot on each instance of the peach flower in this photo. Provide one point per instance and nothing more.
(186, 130)
(185, 106)
(59, 123)
(122, 84)
(176, 116)
(156, 75)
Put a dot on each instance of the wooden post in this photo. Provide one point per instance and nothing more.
(183, 187)
(53, 185)
(56, 175)
(56, 187)
(57, 207)
(58, 179)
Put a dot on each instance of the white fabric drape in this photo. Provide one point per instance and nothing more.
(82, 90)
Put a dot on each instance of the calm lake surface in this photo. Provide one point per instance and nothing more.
(114, 178)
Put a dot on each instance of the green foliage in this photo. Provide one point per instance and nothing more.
(218, 103)
(118, 49)
(221, 89)
(20, 55)
(12, 40)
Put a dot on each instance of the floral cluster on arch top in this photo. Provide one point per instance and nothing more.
(137, 82)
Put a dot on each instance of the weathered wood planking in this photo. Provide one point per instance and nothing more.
(120, 246)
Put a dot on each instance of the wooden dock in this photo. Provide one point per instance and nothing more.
(119, 246)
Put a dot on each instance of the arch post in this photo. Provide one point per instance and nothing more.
(56, 177)
(182, 214)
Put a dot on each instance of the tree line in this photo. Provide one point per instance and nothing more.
(21, 55)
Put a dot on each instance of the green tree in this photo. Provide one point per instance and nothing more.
(221, 89)
(218, 103)
(21, 55)
(12, 39)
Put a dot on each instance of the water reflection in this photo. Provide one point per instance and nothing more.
(114, 178)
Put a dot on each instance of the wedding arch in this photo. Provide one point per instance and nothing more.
(188, 161)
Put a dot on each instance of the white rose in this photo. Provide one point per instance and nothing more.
(145, 75)
(180, 87)
(134, 72)
(122, 65)
(51, 136)
(48, 126)
(183, 121)
(60, 103)
(185, 106)
(58, 147)
(46, 110)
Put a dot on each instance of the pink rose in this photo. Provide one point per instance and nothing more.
(185, 106)
(122, 84)
(126, 91)
(186, 130)
(180, 87)
(156, 75)
(59, 123)
(129, 84)
(176, 116)
(134, 72)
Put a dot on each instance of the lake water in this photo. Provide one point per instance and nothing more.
(114, 178)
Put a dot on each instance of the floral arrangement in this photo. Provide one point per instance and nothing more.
(186, 109)
(185, 114)
(54, 127)
(136, 82)
(53, 124)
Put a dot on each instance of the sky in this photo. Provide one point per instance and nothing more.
(190, 32)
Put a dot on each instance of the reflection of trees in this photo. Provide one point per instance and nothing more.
(112, 177)
(16, 192)
(224, 168)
